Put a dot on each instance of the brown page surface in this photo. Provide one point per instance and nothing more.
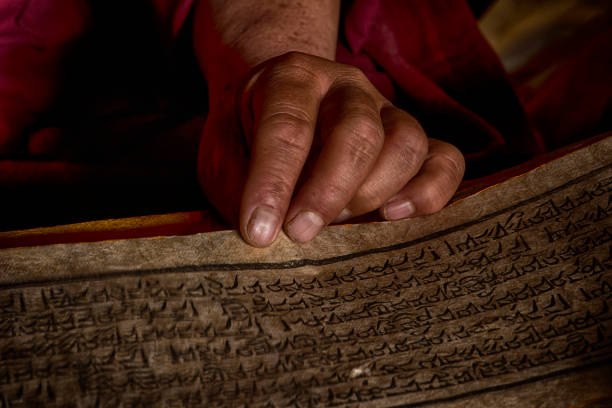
(501, 291)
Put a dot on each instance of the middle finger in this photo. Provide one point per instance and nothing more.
(353, 137)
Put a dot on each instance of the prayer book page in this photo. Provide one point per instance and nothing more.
(503, 298)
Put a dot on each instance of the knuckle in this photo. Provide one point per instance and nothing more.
(332, 197)
(418, 144)
(275, 187)
(365, 126)
(296, 67)
(293, 79)
(290, 127)
(290, 148)
(350, 76)
(449, 166)
(338, 192)
(413, 137)
(368, 198)
(365, 141)
(293, 58)
(355, 74)
(285, 112)
(407, 140)
(295, 74)
(451, 161)
(412, 152)
(289, 145)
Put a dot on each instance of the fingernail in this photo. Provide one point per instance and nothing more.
(305, 226)
(344, 215)
(396, 210)
(262, 226)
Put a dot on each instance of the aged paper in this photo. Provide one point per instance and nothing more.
(505, 289)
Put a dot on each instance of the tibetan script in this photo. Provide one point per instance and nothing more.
(506, 287)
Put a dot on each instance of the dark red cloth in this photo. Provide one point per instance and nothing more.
(432, 60)
(567, 90)
(103, 98)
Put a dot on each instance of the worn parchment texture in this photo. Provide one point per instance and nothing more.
(503, 289)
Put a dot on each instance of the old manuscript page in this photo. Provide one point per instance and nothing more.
(504, 298)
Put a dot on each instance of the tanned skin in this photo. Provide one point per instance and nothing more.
(295, 140)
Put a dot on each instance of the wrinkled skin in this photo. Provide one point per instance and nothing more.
(313, 142)
(293, 139)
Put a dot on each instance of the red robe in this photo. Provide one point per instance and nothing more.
(100, 115)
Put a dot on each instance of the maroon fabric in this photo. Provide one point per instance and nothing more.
(34, 38)
(98, 118)
(567, 91)
(443, 72)
(92, 97)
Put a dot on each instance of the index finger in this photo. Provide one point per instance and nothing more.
(285, 105)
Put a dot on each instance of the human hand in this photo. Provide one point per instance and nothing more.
(305, 142)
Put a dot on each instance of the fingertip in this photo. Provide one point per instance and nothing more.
(262, 227)
(304, 226)
(397, 209)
